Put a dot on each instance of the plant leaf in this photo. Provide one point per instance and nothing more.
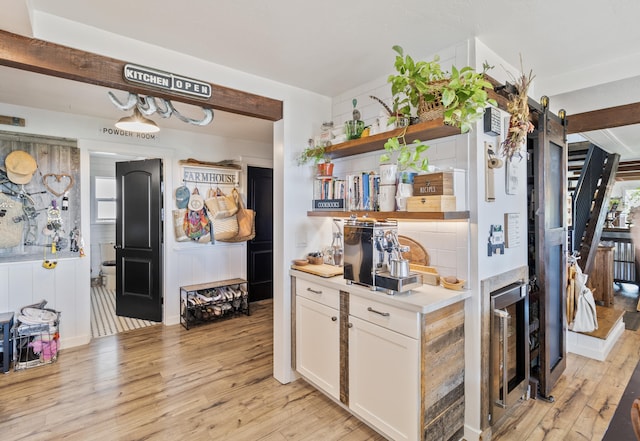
(398, 49)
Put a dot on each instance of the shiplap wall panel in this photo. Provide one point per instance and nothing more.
(65, 288)
(217, 262)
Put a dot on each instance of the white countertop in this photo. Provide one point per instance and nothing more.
(425, 299)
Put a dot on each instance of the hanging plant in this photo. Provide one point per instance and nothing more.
(405, 156)
(519, 122)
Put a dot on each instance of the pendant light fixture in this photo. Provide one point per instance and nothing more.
(137, 123)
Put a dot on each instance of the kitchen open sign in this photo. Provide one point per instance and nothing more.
(166, 81)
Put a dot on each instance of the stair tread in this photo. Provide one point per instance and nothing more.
(608, 318)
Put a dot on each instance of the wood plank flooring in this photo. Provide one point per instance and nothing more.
(215, 382)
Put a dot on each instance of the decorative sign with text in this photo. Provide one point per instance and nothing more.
(328, 204)
(166, 81)
(210, 175)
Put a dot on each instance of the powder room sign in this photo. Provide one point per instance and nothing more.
(166, 81)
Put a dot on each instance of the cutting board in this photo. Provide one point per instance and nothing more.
(417, 253)
(323, 270)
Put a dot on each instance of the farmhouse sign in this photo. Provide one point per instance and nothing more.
(210, 175)
(166, 81)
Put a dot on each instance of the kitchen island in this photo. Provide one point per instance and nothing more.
(395, 361)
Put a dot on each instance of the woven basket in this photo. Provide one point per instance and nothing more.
(430, 110)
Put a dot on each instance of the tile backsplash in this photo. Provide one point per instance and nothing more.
(445, 242)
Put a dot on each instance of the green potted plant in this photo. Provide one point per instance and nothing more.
(404, 156)
(458, 97)
(318, 156)
(416, 83)
(398, 159)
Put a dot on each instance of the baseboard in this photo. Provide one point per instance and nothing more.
(79, 340)
(172, 320)
(471, 434)
(593, 347)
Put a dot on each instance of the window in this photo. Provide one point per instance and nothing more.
(105, 199)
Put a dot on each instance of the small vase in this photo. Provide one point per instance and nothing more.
(387, 197)
(403, 192)
(325, 169)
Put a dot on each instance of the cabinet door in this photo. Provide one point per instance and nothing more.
(384, 386)
(318, 345)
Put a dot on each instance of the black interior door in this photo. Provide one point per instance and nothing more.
(139, 239)
(260, 249)
(549, 155)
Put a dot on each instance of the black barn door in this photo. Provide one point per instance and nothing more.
(139, 239)
(549, 155)
(260, 249)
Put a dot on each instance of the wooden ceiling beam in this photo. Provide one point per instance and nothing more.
(46, 58)
(631, 176)
(629, 166)
(604, 118)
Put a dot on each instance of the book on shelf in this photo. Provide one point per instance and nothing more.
(328, 187)
(362, 191)
(328, 193)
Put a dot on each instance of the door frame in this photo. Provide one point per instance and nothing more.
(249, 193)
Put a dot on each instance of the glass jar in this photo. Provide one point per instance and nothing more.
(353, 128)
(325, 133)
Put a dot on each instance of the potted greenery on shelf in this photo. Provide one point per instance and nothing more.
(318, 156)
(399, 159)
(416, 84)
(458, 97)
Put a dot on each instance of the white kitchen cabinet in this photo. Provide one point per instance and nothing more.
(384, 382)
(398, 368)
(318, 344)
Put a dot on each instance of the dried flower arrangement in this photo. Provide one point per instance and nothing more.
(519, 123)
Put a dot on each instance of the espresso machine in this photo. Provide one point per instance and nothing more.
(373, 256)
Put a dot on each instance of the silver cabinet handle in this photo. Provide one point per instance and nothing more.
(334, 318)
(383, 314)
(314, 291)
(504, 317)
(350, 325)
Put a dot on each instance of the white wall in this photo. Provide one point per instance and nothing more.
(483, 215)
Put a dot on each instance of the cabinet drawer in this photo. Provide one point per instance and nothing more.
(397, 319)
(321, 294)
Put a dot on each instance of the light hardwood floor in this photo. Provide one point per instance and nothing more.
(214, 383)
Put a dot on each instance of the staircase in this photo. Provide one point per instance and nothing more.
(590, 190)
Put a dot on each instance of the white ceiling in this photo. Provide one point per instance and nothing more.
(585, 54)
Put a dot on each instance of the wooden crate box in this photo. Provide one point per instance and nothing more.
(444, 183)
(431, 203)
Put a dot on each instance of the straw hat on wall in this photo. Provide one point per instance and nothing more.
(20, 167)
